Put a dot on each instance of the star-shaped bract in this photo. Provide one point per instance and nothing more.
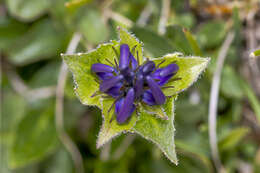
(159, 130)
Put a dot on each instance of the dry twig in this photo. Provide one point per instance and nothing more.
(64, 137)
(213, 103)
(164, 16)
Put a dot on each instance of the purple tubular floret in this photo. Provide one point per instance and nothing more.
(118, 105)
(104, 75)
(134, 63)
(115, 91)
(139, 83)
(148, 67)
(109, 83)
(124, 57)
(148, 98)
(163, 75)
(127, 107)
(156, 91)
(98, 67)
(170, 69)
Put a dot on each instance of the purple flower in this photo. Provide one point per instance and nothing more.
(130, 83)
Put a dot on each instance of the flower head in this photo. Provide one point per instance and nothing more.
(129, 82)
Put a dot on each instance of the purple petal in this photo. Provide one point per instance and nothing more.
(164, 80)
(104, 75)
(109, 83)
(148, 98)
(119, 105)
(115, 90)
(159, 79)
(134, 63)
(124, 56)
(139, 83)
(127, 107)
(170, 69)
(148, 67)
(98, 67)
(156, 91)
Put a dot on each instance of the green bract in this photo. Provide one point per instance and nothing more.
(154, 123)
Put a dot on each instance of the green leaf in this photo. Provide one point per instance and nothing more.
(110, 127)
(93, 27)
(9, 32)
(153, 43)
(233, 138)
(194, 150)
(189, 70)
(42, 41)
(159, 131)
(253, 100)
(73, 4)
(80, 66)
(230, 85)
(176, 36)
(35, 138)
(211, 34)
(27, 10)
(193, 43)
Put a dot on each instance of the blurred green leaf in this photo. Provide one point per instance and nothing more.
(230, 85)
(9, 31)
(176, 36)
(45, 76)
(194, 150)
(193, 43)
(35, 138)
(27, 10)
(60, 163)
(43, 40)
(253, 100)
(93, 27)
(232, 139)
(10, 116)
(153, 43)
(189, 70)
(159, 131)
(211, 34)
(72, 4)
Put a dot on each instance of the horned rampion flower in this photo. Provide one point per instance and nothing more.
(130, 83)
(136, 94)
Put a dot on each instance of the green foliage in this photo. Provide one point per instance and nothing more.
(233, 138)
(33, 34)
(27, 10)
(211, 33)
(92, 27)
(35, 138)
(43, 37)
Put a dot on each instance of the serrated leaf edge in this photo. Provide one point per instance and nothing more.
(158, 145)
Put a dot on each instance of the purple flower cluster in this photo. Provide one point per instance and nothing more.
(128, 82)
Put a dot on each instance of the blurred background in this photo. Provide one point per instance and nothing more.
(33, 33)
